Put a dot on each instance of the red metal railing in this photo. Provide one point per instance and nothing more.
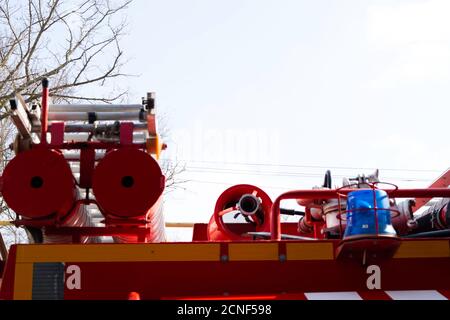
(275, 226)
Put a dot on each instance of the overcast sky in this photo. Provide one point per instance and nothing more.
(275, 92)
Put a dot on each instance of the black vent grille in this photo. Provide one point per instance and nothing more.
(48, 281)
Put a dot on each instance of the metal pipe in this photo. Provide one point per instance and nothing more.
(248, 204)
(430, 234)
(291, 212)
(19, 117)
(44, 114)
(95, 107)
(98, 145)
(94, 128)
(179, 224)
(435, 217)
(75, 156)
(94, 116)
(83, 136)
(79, 136)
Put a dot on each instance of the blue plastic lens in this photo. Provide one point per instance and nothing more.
(361, 214)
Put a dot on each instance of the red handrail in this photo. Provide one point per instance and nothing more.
(275, 225)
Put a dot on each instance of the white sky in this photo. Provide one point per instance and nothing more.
(360, 84)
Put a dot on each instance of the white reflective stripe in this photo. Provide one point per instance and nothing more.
(345, 295)
(416, 295)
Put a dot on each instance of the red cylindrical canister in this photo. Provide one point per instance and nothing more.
(128, 184)
(39, 183)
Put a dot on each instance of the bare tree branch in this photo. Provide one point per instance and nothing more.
(74, 43)
(172, 171)
(30, 50)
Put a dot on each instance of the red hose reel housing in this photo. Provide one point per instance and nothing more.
(128, 183)
(38, 183)
(218, 230)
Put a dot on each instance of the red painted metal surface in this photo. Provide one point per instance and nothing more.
(308, 226)
(126, 133)
(243, 278)
(128, 183)
(141, 234)
(40, 187)
(57, 133)
(219, 230)
(200, 232)
(7, 285)
(39, 183)
(44, 113)
(87, 164)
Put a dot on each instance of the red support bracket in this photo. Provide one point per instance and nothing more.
(126, 133)
(87, 164)
(57, 133)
